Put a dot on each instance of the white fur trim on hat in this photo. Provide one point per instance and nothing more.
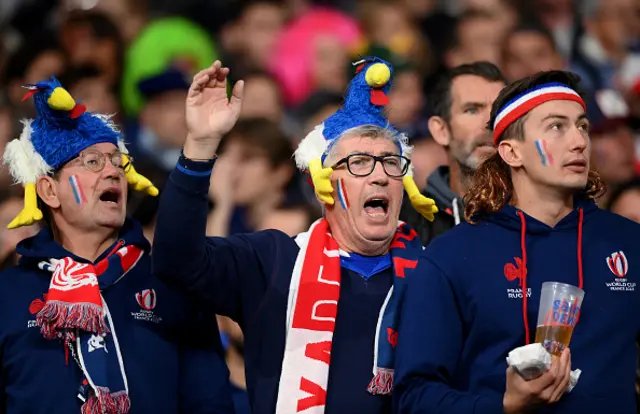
(25, 164)
(311, 147)
(314, 145)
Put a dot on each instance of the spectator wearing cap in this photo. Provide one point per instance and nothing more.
(613, 147)
(162, 128)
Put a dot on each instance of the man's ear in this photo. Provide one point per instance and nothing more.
(511, 153)
(439, 131)
(47, 190)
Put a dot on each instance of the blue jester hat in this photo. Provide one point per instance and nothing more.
(61, 130)
(364, 104)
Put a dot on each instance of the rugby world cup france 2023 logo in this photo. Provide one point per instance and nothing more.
(619, 265)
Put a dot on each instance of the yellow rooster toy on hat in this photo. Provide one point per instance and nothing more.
(364, 105)
(61, 130)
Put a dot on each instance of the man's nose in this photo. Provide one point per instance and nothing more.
(111, 171)
(378, 176)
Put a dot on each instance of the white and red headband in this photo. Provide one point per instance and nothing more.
(528, 100)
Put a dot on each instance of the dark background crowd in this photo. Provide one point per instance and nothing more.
(136, 58)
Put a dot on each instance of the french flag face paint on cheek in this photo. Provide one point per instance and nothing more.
(545, 156)
(342, 194)
(77, 189)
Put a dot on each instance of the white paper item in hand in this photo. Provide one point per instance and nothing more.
(575, 375)
(533, 360)
(530, 361)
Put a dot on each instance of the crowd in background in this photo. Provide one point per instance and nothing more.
(136, 58)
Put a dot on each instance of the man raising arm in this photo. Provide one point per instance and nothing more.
(309, 306)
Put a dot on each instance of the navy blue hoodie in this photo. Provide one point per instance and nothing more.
(247, 277)
(463, 311)
(172, 354)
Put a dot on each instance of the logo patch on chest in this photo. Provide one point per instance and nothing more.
(147, 300)
(515, 272)
(619, 266)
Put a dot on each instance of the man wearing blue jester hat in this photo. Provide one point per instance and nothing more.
(60, 349)
(318, 310)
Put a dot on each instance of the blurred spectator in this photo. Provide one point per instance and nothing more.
(130, 16)
(253, 177)
(625, 200)
(475, 38)
(6, 135)
(315, 109)
(419, 9)
(91, 38)
(87, 85)
(140, 206)
(504, 11)
(164, 43)
(559, 17)
(9, 209)
(291, 220)
(163, 127)
(604, 45)
(391, 26)
(528, 49)
(38, 58)
(405, 98)
(612, 141)
(426, 157)
(262, 97)
(313, 52)
(250, 39)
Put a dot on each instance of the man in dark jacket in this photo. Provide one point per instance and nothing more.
(318, 310)
(63, 350)
(461, 103)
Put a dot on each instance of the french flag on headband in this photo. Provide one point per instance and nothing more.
(528, 100)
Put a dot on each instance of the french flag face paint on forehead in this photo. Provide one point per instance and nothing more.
(525, 102)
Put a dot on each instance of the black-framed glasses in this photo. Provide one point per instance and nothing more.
(95, 161)
(362, 165)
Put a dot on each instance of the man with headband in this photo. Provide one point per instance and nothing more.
(318, 311)
(475, 294)
(84, 325)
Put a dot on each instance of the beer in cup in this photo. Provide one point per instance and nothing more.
(559, 312)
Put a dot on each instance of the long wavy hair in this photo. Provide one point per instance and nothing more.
(492, 186)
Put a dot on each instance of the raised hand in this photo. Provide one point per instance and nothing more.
(209, 113)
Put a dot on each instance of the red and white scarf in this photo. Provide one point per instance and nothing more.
(311, 314)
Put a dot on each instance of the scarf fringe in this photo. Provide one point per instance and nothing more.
(107, 403)
(382, 382)
(56, 317)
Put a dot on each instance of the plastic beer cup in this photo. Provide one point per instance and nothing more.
(559, 312)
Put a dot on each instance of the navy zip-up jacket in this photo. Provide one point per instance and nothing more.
(247, 278)
(171, 351)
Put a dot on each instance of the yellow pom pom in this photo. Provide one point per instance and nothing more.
(61, 100)
(377, 75)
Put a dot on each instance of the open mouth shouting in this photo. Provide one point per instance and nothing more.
(111, 196)
(377, 206)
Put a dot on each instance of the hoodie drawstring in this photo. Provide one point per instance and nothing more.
(523, 247)
(456, 211)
